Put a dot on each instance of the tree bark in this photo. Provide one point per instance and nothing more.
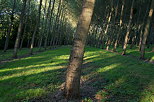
(146, 31)
(48, 21)
(20, 28)
(72, 85)
(128, 29)
(36, 28)
(121, 21)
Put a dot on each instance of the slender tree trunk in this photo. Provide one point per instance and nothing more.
(36, 28)
(146, 31)
(55, 28)
(128, 30)
(108, 24)
(25, 25)
(10, 27)
(121, 21)
(21, 42)
(141, 27)
(133, 41)
(140, 41)
(108, 44)
(19, 29)
(40, 43)
(47, 25)
(72, 85)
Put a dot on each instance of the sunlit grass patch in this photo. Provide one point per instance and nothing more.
(33, 76)
(117, 78)
(9, 53)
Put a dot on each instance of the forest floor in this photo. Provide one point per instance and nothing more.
(106, 76)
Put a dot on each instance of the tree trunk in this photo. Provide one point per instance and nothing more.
(128, 29)
(20, 28)
(146, 31)
(72, 85)
(10, 27)
(141, 27)
(47, 25)
(36, 28)
(121, 21)
(21, 42)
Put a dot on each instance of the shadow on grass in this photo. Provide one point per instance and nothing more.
(30, 86)
(32, 76)
(117, 78)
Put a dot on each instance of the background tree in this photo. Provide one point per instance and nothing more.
(20, 28)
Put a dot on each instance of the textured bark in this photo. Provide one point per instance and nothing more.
(20, 28)
(146, 31)
(128, 30)
(36, 28)
(72, 86)
(10, 27)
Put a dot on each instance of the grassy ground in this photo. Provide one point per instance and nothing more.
(135, 52)
(116, 78)
(9, 53)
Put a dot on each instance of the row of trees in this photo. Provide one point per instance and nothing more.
(42, 23)
(123, 22)
(108, 29)
(116, 23)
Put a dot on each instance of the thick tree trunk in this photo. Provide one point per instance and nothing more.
(72, 86)
(146, 31)
(36, 28)
(128, 30)
(19, 29)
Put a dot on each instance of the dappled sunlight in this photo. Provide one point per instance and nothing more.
(114, 76)
(55, 63)
(106, 68)
(31, 93)
(30, 72)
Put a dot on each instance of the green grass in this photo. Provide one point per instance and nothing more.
(117, 78)
(9, 53)
(135, 52)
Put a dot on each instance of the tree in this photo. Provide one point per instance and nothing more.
(10, 27)
(36, 27)
(20, 28)
(146, 31)
(121, 21)
(72, 85)
(47, 23)
(128, 29)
